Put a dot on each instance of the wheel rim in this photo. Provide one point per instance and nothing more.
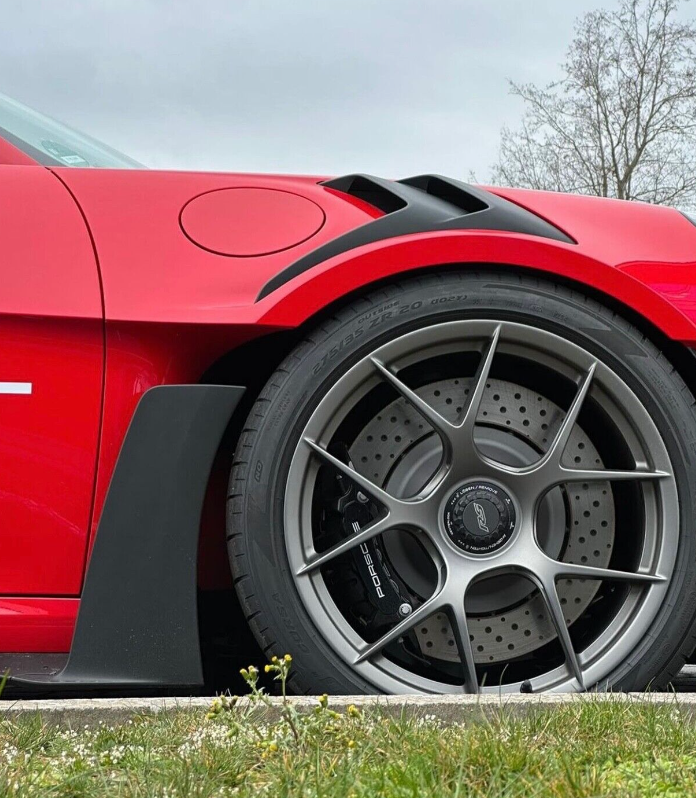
(439, 515)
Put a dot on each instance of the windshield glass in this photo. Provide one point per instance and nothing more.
(52, 143)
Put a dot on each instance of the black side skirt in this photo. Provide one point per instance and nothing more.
(138, 622)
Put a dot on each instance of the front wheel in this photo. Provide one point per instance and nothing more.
(470, 482)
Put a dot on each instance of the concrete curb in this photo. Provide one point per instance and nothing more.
(450, 709)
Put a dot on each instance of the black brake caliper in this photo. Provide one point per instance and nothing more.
(381, 588)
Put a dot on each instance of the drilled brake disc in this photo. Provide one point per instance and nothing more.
(506, 616)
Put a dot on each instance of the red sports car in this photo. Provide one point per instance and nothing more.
(457, 428)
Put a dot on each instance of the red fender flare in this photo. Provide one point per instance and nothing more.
(309, 293)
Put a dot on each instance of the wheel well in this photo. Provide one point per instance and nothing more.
(253, 363)
(226, 641)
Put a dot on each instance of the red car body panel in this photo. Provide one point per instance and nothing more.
(52, 336)
(105, 295)
(33, 625)
(154, 273)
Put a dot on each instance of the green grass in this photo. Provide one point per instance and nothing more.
(592, 749)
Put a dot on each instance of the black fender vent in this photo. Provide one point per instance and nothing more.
(421, 204)
(369, 190)
(447, 190)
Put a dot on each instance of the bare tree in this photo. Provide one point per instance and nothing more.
(622, 121)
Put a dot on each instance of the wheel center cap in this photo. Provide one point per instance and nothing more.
(479, 518)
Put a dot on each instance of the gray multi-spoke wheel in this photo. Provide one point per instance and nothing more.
(456, 486)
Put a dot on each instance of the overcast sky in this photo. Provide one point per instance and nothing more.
(391, 87)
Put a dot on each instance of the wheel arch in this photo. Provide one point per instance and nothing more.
(316, 290)
(260, 357)
(256, 360)
(352, 317)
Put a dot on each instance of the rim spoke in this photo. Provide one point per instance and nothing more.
(384, 498)
(553, 604)
(433, 604)
(377, 527)
(607, 475)
(440, 424)
(466, 652)
(469, 418)
(559, 443)
(569, 570)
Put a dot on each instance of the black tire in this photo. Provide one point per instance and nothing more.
(257, 549)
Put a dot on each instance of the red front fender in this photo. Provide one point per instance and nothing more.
(302, 297)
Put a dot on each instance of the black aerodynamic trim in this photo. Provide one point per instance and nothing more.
(138, 619)
(422, 204)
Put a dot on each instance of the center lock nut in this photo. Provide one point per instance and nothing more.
(479, 518)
